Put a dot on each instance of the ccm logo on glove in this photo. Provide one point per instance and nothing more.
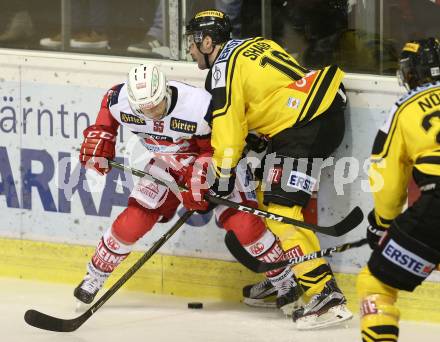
(101, 135)
(98, 146)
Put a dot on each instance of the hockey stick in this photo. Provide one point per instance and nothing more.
(258, 266)
(348, 223)
(46, 322)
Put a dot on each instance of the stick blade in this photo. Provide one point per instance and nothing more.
(351, 221)
(42, 321)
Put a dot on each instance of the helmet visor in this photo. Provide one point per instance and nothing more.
(404, 73)
(189, 40)
(194, 37)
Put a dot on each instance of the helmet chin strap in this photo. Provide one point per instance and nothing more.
(168, 97)
(207, 59)
(206, 55)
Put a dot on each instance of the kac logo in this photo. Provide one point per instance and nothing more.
(257, 248)
(112, 243)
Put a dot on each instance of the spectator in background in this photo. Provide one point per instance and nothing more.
(405, 242)
(418, 19)
(19, 22)
(233, 9)
(321, 23)
(88, 19)
(153, 41)
(323, 26)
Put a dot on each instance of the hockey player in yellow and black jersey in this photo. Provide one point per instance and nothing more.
(406, 246)
(257, 86)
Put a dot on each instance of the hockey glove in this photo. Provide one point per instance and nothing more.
(98, 146)
(221, 185)
(374, 231)
(256, 143)
(195, 180)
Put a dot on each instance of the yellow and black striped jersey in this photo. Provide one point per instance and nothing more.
(409, 139)
(256, 85)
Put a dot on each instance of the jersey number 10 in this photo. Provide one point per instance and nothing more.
(292, 69)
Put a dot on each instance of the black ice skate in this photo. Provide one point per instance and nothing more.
(90, 285)
(290, 300)
(324, 309)
(262, 294)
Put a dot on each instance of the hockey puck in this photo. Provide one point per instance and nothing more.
(195, 305)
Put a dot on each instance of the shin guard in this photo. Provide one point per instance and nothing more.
(379, 319)
(110, 252)
(379, 316)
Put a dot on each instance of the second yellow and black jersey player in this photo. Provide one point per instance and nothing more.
(406, 243)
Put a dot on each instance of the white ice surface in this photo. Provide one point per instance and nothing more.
(132, 317)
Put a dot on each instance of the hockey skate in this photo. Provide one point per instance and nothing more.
(265, 295)
(260, 295)
(324, 309)
(90, 285)
(290, 300)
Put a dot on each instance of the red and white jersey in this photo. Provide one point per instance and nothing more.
(186, 121)
(181, 136)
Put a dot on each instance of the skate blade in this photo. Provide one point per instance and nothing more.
(333, 316)
(259, 303)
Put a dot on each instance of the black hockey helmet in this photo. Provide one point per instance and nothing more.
(213, 23)
(419, 63)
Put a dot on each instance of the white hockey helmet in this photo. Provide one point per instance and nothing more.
(147, 87)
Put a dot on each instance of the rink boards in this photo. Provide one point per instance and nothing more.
(49, 207)
(177, 275)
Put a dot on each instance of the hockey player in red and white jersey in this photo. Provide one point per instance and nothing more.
(172, 120)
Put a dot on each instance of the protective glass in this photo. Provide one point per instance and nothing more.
(189, 40)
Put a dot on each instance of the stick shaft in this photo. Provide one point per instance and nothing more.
(255, 265)
(353, 219)
(46, 322)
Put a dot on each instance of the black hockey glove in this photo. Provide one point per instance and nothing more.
(210, 207)
(256, 143)
(223, 186)
(374, 231)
